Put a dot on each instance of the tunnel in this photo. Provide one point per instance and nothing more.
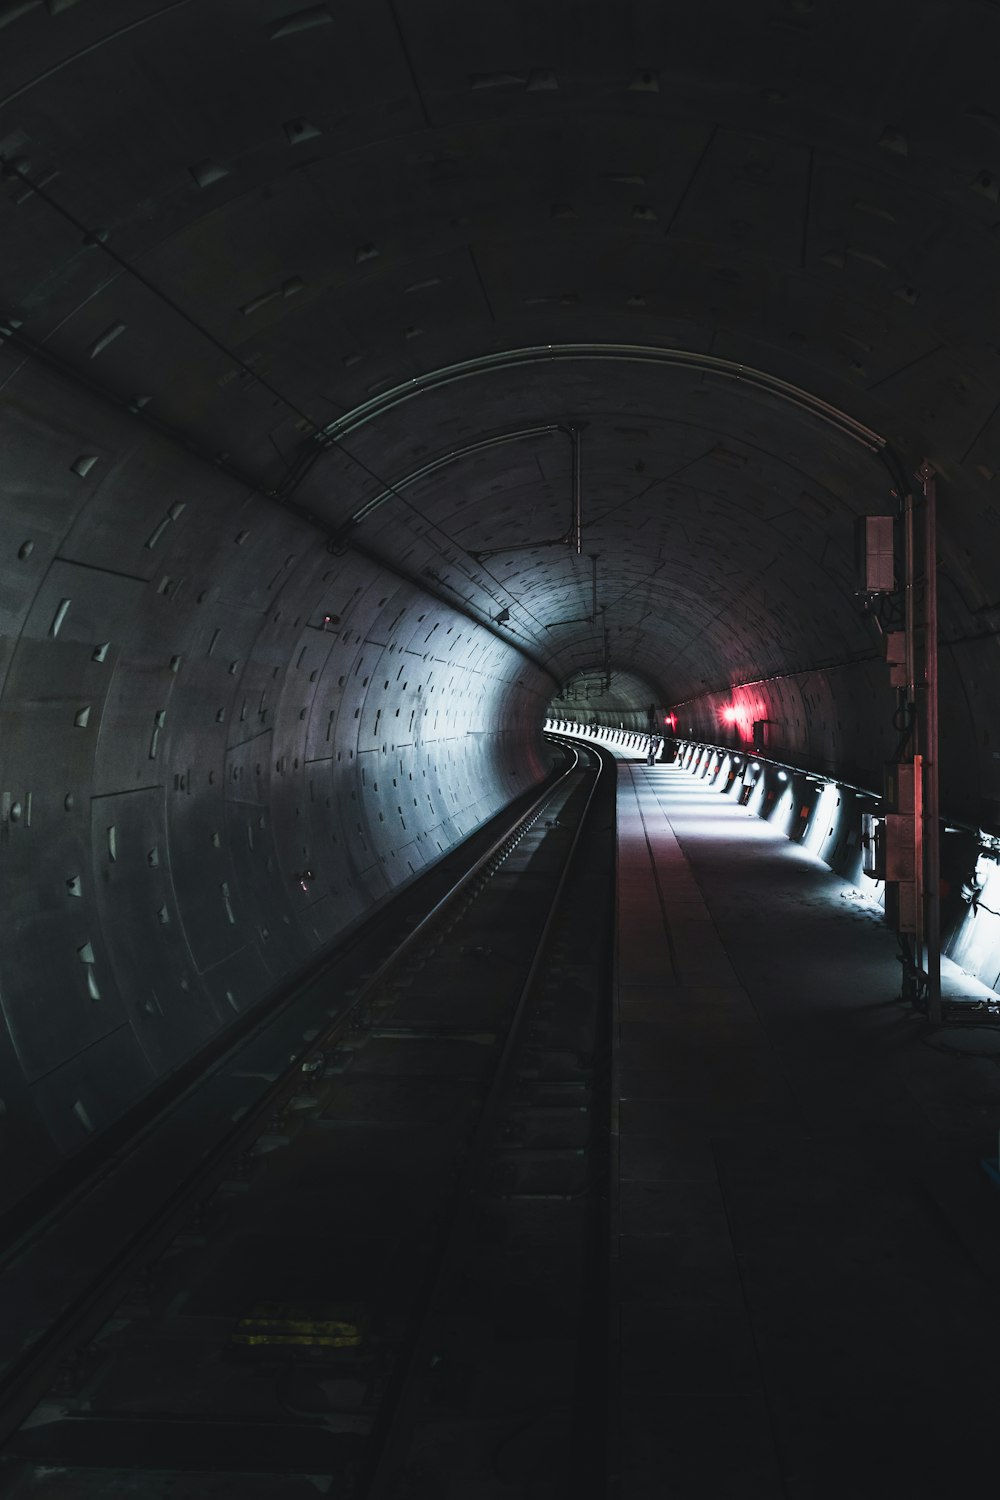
(380, 380)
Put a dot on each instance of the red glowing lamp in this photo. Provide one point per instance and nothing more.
(729, 714)
(670, 720)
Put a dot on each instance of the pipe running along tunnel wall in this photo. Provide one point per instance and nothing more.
(523, 362)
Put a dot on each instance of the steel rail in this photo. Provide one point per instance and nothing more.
(30, 1375)
(395, 1431)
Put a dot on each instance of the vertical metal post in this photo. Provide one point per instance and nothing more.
(577, 499)
(932, 812)
(919, 960)
(909, 600)
(593, 588)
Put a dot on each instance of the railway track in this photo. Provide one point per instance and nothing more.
(388, 1278)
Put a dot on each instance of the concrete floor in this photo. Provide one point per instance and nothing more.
(805, 1246)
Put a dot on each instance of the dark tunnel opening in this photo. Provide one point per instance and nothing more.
(618, 698)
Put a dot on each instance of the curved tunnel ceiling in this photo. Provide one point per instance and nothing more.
(691, 491)
(254, 217)
(316, 320)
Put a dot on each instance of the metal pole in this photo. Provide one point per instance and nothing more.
(909, 597)
(932, 819)
(593, 587)
(577, 502)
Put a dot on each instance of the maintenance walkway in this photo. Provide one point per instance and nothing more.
(805, 1248)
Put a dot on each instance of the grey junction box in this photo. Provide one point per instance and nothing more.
(876, 554)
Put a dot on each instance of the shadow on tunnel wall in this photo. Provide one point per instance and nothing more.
(222, 748)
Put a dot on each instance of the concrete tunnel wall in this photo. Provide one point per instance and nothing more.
(184, 737)
(267, 220)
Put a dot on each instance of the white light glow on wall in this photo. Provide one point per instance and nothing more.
(977, 947)
(822, 820)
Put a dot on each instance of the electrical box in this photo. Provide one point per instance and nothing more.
(898, 844)
(901, 906)
(876, 554)
(895, 655)
(900, 786)
(900, 848)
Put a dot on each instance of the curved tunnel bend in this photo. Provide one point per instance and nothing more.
(285, 599)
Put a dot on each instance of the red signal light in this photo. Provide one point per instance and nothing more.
(729, 714)
(670, 720)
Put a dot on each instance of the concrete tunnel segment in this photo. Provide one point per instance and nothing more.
(211, 681)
